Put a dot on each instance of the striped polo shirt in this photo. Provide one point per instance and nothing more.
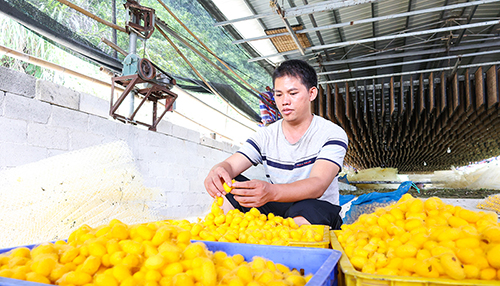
(286, 163)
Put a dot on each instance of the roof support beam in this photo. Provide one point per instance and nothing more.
(373, 19)
(410, 62)
(491, 30)
(395, 16)
(252, 17)
(409, 46)
(407, 25)
(469, 19)
(410, 72)
(323, 6)
(390, 37)
(468, 22)
(303, 10)
(289, 28)
(411, 34)
(410, 54)
(374, 10)
(340, 32)
(318, 34)
(445, 17)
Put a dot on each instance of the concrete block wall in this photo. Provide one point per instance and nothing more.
(39, 119)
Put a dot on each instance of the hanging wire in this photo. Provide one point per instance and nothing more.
(219, 31)
(214, 72)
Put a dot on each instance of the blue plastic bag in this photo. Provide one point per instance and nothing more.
(343, 199)
(367, 203)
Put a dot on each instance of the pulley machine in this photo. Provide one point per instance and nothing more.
(139, 75)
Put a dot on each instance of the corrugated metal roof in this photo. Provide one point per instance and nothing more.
(394, 26)
(395, 41)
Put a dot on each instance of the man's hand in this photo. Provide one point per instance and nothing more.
(224, 172)
(213, 182)
(254, 193)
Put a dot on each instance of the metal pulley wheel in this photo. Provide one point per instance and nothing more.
(146, 70)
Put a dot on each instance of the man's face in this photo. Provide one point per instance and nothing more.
(293, 98)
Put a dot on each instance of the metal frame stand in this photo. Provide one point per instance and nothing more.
(155, 93)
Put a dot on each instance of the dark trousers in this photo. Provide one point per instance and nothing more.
(315, 211)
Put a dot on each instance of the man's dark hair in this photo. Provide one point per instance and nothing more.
(299, 69)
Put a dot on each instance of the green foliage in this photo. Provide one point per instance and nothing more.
(20, 39)
(33, 70)
(190, 12)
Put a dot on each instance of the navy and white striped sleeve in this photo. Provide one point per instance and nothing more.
(252, 149)
(334, 149)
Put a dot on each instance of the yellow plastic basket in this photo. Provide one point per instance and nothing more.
(349, 276)
(325, 243)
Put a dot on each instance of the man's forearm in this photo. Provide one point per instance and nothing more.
(226, 166)
(310, 188)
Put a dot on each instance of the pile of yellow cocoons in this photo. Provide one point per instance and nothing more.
(252, 227)
(424, 238)
(157, 253)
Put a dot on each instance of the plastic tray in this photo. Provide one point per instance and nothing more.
(321, 262)
(325, 243)
(349, 276)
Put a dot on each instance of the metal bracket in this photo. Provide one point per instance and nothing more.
(140, 14)
(156, 90)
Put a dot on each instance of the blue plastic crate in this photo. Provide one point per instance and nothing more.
(319, 261)
(16, 282)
